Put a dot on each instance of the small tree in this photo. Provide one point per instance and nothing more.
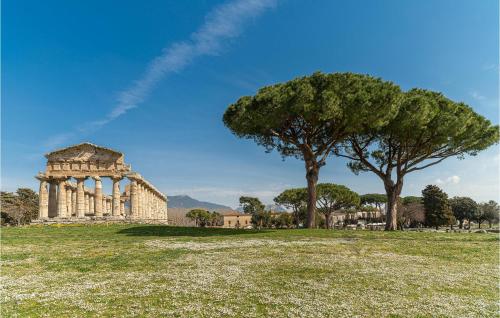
(199, 216)
(20, 207)
(332, 197)
(282, 220)
(463, 208)
(490, 212)
(479, 217)
(427, 129)
(308, 117)
(253, 206)
(294, 199)
(215, 218)
(437, 208)
(262, 219)
(28, 204)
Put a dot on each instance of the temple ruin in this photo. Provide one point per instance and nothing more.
(61, 198)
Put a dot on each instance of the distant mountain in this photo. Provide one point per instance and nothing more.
(186, 202)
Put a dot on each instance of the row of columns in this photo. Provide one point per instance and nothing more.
(64, 199)
(145, 202)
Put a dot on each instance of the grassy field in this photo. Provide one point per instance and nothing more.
(153, 271)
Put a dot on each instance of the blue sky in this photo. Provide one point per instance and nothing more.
(152, 79)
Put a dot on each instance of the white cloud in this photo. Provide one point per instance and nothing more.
(221, 24)
(449, 180)
(453, 179)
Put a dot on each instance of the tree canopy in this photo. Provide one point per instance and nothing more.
(332, 197)
(251, 205)
(200, 217)
(373, 198)
(294, 199)
(437, 207)
(411, 199)
(308, 117)
(20, 207)
(463, 208)
(490, 211)
(427, 129)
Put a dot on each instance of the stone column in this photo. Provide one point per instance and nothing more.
(61, 198)
(158, 214)
(86, 202)
(155, 207)
(108, 205)
(73, 201)
(98, 197)
(116, 196)
(146, 203)
(152, 204)
(91, 204)
(43, 200)
(139, 200)
(52, 198)
(104, 211)
(80, 198)
(122, 207)
(69, 203)
(133, 199)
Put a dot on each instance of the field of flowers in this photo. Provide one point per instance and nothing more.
(159, 271)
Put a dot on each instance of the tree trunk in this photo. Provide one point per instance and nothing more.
(461, 224)
(393, 191)
(327, 221)
(312, 173)
(297, 217)
(489, 222)
(479, 223)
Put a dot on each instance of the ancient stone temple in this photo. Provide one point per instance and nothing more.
(63, 194)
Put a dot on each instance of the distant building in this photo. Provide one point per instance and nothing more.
(236, 220)
(340, 216)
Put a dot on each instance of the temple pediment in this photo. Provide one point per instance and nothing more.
(84, 152)
(86, 159)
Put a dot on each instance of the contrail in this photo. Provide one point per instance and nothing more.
(222, 23)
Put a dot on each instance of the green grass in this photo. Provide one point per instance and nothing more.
(159, 271)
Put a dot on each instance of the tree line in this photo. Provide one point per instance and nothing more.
(441, 211)
(374, 123)
(432, 209)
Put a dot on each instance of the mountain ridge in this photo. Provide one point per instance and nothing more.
(187, 202)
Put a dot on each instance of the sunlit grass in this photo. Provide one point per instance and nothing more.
(134, 270)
